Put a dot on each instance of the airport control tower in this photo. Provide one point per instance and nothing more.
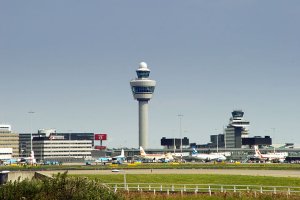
(142, 89)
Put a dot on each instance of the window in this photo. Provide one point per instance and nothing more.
(143, 74)
(141, 90)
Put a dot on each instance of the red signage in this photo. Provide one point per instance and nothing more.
(102, 136)
(100, 147)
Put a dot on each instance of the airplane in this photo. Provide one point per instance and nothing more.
(27, 160)
(31, 160)
(103, 160)
(116, 159)
(10, 161)
(119, 159)
(156, 157)
(276, 156)
(207, 157)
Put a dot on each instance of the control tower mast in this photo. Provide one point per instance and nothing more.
(142, 89)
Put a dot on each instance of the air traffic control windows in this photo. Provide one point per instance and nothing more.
(142, 90)
(143, 74)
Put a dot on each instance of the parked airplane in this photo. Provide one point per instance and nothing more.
(103, 160)
(156, 157)
(120, 158)
(276, 156)
(116, 159)
(31, 160)
(24, 160)
(207, 157)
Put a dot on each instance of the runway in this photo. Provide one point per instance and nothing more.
(274, 173)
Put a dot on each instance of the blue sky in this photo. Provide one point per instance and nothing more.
(71, 63)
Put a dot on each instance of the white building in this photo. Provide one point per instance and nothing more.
(5, 127)
(61, 150)
(6, 153)
(9, 139)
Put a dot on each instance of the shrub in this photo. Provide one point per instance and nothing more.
(60, 187)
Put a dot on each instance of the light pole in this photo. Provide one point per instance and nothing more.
(224, 131)
(216, 130)
(273, 129)
(174, 144)
(69, 131)
(180, 131)
(31, 112)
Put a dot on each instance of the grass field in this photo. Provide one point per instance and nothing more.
(171, 180)
(196, 179)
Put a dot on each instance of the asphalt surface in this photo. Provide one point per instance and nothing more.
(275, 173)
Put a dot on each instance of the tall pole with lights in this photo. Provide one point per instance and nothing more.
(180, 131)
(31, 113)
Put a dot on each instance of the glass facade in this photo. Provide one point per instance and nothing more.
(142, 90)
(237, 113)
(143, 74)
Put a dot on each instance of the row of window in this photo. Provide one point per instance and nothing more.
(62, 152)
(141, 90)
(143, 74)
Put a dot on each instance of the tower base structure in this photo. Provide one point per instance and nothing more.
(143, 124)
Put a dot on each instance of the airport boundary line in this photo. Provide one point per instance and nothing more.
(202, 188)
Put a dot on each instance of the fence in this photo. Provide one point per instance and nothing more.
(202, 188)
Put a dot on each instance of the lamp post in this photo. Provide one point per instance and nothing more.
(216, 130)
(180, 131)
(224, 131)
(69, 145)
(273, 129)
(174, 144)
(31, 112)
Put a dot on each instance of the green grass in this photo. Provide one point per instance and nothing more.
(197, 179)
(170, 180)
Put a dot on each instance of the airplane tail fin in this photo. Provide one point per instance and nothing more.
(122, 153)
(194, 151)
(142, 152)
(32, 159)
(169, 156)
(257, 152)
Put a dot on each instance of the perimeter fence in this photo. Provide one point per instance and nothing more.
(203, 188)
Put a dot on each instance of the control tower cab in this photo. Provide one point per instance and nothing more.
(142, 87)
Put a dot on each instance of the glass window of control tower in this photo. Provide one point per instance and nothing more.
(137, 89)
(143, 74)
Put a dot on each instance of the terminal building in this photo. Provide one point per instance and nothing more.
(56, 148)
(257, 140)
(9, 139)
(46, 133)
(174, 143)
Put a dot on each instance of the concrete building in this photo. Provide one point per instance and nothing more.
(6, 153)
(237, 129)
(25, 138)
(58, 149)
(174, 143)
(257, 140)
(8, 139)
(142, 90)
